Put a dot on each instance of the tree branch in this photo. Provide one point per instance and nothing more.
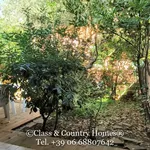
(93, 60)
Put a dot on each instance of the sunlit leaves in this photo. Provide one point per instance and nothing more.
(79, 10)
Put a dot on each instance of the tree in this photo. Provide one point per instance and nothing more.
(132, 20)
(43, 70)
(127, 21)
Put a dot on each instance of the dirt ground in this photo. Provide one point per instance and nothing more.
(126, 118)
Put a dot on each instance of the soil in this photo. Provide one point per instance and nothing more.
(126, 118)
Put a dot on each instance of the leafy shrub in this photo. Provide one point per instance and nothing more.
(44, 71)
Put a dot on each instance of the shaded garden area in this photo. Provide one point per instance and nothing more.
(83, 64)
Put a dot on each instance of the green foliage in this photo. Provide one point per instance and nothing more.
(91, 107)
(50, 76)
(43, 70)
(79, 10)
(45, 78)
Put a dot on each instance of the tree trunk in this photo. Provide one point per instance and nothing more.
(44, 123)
(148, 91)
(114, 88)
(140, 75)
(148, 81)
(56, 119)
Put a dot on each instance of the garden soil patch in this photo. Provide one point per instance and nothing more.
(124, 117)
